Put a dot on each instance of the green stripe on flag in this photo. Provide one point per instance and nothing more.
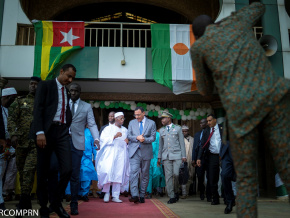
(161, 54)
(38, 49)
(54, 52)
(58, 60)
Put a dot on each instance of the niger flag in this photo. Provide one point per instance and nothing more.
(171, 62)
(54, 42)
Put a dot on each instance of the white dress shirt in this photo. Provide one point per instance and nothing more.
(5, 118)
(59, 105)
(143, 122)
(170, 125)
(215, 140)
(76, 105)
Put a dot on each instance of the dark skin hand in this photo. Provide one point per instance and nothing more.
(41, 140)
(118, 135)
(159, 162)
(97, 143)
(14, 141)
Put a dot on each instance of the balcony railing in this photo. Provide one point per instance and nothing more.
(105, 34)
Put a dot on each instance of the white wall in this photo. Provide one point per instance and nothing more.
(227, 8)
(16, 61)
(284, 20)
(110, 63)
(12, 15)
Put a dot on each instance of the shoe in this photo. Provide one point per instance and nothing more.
(171, 201)
(176, 197)
(44, 212)
(67, 198)
(142, 200)
(60, 211)
(134, 199)
(202, 197)
(2, 206)
(125, 193)
(85, 198)
(117, 200)
(50, 209)
(183, 197)
(101, 196)
(215, 203)
(107, 197)
(8, 197)
(161, 194)
(229, 208)
(74, 210)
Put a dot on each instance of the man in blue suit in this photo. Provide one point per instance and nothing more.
(200, 171)
(228, 175)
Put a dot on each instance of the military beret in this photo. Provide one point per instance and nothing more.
(166, 114)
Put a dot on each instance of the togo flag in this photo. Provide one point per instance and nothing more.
(171, 60)
(55, 41)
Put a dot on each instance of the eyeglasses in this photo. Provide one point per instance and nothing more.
(120, 119)
(137, 115)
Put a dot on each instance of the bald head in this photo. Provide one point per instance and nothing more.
(199, 25)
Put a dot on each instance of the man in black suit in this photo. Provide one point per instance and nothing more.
(200, 171)
(210, 147)
(228, 175)
(52, 119)
(111, 119)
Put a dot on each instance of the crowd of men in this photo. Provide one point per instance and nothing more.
(46, 132)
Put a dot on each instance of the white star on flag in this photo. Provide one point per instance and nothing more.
(68, 37)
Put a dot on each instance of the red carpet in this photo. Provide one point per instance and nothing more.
(152, 208)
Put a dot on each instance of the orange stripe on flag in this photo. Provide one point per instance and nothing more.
(192, 40)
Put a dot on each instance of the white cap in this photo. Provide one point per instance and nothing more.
(119, 114)
(9, 91)
(185, 127)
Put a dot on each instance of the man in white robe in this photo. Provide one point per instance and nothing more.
(112, 162)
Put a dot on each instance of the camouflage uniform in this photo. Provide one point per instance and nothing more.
(254, 97)
(19, 121)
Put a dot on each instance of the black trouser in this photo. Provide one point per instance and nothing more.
(200, 171)
(228, 189)
(75, 176)
(57, 140)
(53, 178)
(213, 175)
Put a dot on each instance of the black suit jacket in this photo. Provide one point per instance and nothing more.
(196, 144)
(227, 161)
(205, 136)
(45, 106)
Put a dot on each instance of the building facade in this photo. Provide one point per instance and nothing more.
(118, 32)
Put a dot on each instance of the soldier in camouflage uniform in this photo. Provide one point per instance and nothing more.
(228, 56)
(19, 122)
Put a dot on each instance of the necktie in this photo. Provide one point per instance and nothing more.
(141, 130)
(168, 128)
(63, 106)
(73, 109)
(209, 137)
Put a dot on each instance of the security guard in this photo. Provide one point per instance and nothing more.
(19, 121)
(172, 153)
